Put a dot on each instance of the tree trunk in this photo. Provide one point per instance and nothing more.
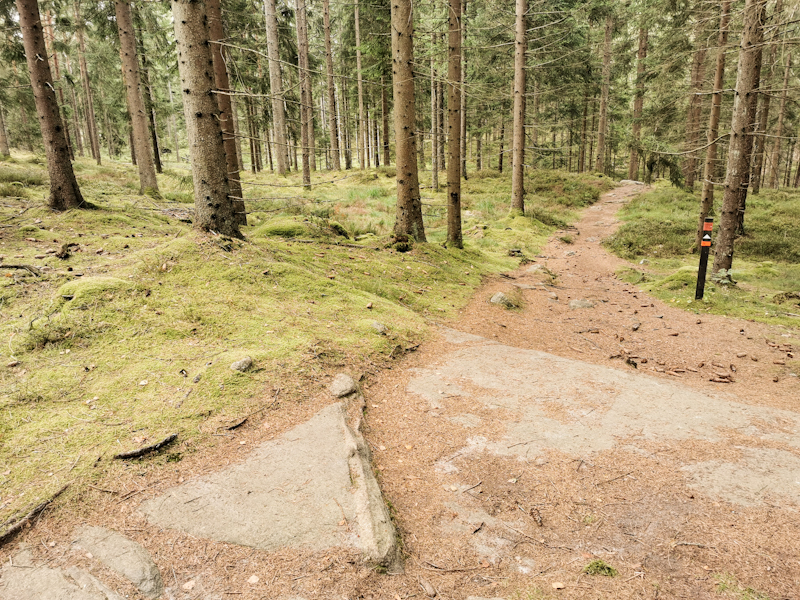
(214, 210)
(463, 98)
(602, 128)
(149, 102)
(64, 191)
(305, 89)
(707, 198)
(348, 150)
(387, 159)
(5, 151)
(776, 146)
(276, 87)
(91, 122)
(57, 71)
(172, 125)
(222, 82)
(638, 105)
(502, 144)
(409, 204)
(582, 152)
(332, 126)
(455, 145)
(237, 135)
(693, 117)
(518, 148)
(133, 88)
(362, 137)
(760, 140)
(434, 117)
(738, 155)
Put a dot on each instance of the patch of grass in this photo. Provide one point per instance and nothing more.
(730, 587)
(600, 567)
(13, 190)
(659, 229)
(25, 177)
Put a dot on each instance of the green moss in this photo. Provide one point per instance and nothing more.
(285, 228)
(600, 567)
(87, 290)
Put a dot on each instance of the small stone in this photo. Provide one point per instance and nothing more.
(243, 364)
(557, 585)
(143, 382)
(13, 363)
(540, 462)
(570, 253)
(741, 354)
(253, 579)
(580, 303)
(342, 385)
(380, 327)
(503, 300)
(369, 305)
(553, 296)
(189, 585)
(635, 326)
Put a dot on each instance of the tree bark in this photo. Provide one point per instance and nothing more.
(149, 102)
(602, 127)
(693, 117)
(387, 159)
(362, 135)
(455, 144)
(409, 204)
(638, 105)
(133, 88)
(518, 147)
(305, 89)
(502, 144)
(276, 87)
(51, 51)
(332, 125)
(64, 190)
(222, 82)
(91, 121)
(776, 145)
(434, 117)
(760, 140)
(738, 155)
(214, 210)
(707, 198)
(463, 98)
(5, 151)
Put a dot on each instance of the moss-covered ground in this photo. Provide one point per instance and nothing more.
(131, 336)
(658, 233)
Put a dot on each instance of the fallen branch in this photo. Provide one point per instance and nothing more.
(147, 449)
(19, 524)
(29, 268)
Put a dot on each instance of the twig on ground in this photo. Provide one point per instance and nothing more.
(20, 523)
(147, 449)
(33, 270)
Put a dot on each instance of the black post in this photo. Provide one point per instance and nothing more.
(705, 246)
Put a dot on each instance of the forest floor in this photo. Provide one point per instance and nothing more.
(519, 463)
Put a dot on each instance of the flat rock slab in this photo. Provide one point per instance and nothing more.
(602, 408)
(310, 488)
(23, 580)
(128, 558)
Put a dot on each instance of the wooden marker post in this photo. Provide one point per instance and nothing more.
(705, 246)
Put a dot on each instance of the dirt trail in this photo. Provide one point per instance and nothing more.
(523, 445)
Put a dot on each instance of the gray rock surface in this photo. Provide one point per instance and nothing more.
(21, 579)
(380, 327)
(243, 364)
(580, 303)
(310, 488)
(122, 555)
(342, 385)
(604, 408)
(503, 300)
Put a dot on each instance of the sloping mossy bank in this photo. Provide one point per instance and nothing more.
(136, 340)
(658, 233)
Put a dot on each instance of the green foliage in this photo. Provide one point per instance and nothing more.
(600, 567)
(24, 177)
